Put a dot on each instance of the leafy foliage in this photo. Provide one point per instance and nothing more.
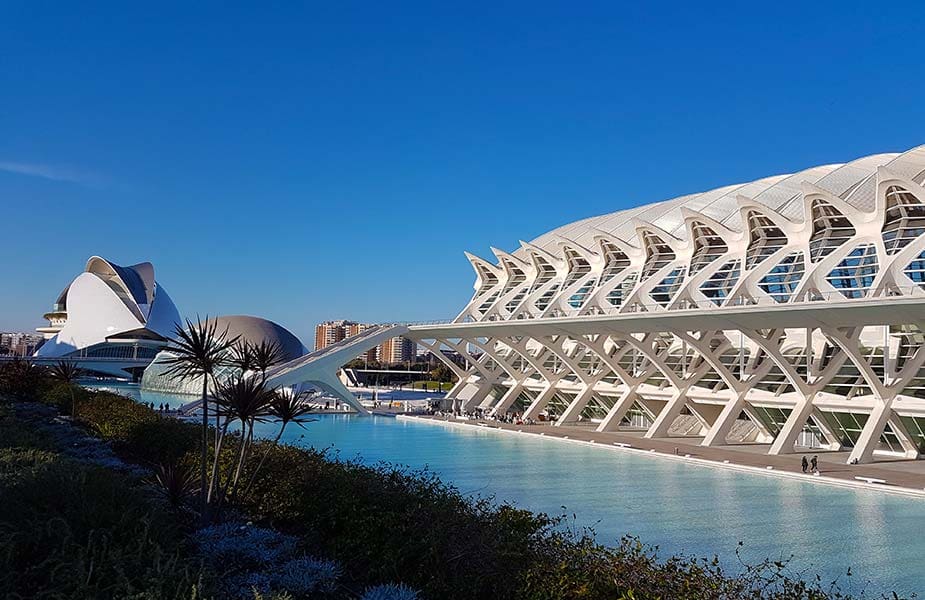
(390, 591)
(67, 372)
(72, 531)
(22, 380)
(266, 561)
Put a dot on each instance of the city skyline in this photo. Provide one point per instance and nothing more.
(334, 165)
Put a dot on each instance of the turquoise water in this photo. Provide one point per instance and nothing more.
(678, 506)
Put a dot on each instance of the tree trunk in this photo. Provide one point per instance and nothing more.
(213, 481)
(263, 459)
(204, 450)
(245, 436)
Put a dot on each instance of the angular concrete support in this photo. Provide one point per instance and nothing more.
(830, 436)
(507, 399)
(783, 443)
(333, 385)
(766, 437)
(716, 436)
(537, 406)
(477, 398)
(707, 413)
(457, 387)
(577, 405)
(625, 402)
(907, 441)
(667, 415)
(863, 450)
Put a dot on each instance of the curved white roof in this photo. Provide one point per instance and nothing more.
(854, 182)
(107, 301)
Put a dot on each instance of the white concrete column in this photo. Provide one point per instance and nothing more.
(537, 406)
(476, 398)
(783, 443)
(577, 405)
(332, 384)
(667, 415)
(508, 398)
(830, 436)
(863, 450)
(764, 434)
(625, 402)
(457, 387)
(907, 441)
(720, 428)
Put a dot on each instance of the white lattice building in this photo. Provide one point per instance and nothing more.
(790, 310)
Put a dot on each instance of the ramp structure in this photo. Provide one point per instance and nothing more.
(320, 367)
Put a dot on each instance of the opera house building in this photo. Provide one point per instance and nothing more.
(788, 311)
(114, 319)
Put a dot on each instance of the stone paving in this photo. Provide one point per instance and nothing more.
(897, 473)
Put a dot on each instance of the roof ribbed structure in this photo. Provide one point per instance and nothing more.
(780, 193)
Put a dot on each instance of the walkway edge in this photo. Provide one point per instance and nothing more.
(831, 481)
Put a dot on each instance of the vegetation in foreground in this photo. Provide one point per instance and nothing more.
(87, 524)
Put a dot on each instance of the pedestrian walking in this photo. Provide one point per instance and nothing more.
(804, 463)
(814, 464)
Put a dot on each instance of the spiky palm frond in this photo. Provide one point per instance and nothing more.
(65, 371)
(175, 483)
(290, 408)
(242, 356)
(267, 354)
(246, 399)
(198, 350)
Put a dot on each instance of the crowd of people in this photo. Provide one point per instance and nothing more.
(479, 414)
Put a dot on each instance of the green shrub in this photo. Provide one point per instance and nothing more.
(162, 441)
(14, 435)
(61, 395)
(113, 417)
(71, 531)
(390, 524)
(22, 380)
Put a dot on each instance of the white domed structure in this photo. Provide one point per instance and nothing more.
(113, 318)
(253, 330)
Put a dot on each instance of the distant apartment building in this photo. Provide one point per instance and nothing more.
(19, 343)
(331, 332)
(394, 350)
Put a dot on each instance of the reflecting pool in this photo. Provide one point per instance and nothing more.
(677, 506)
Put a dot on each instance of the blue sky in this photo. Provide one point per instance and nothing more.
(335, 160)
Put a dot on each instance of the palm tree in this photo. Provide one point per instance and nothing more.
(267, 354)
(247, 400)
(286, 408)
(242, 356)
(199, 351)
(67, 372)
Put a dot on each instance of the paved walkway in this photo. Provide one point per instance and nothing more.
(900, 475)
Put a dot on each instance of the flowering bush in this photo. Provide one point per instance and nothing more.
(257, 559)
(306, 575)
(235, 545)
(390, 591)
